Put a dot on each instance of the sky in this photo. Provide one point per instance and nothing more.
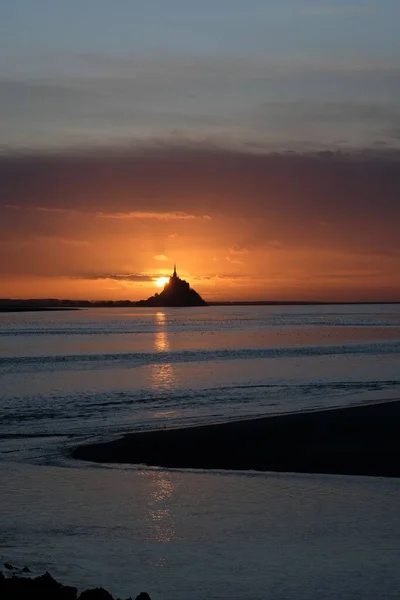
(256, 143)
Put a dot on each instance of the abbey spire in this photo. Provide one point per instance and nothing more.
(176, 292)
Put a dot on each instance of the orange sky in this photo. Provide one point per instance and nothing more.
(256, 143)
(240, 225)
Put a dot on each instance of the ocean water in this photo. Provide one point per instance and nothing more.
(66, 377)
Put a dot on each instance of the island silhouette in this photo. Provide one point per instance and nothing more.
(176, 292)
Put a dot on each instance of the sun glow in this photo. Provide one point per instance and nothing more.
(161, 281)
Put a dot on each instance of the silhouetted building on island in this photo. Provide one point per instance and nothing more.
(176, 292)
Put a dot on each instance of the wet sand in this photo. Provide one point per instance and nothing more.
(360, 440)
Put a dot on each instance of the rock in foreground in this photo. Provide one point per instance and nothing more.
(46, 587)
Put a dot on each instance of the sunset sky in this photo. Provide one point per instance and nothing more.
(256, 143)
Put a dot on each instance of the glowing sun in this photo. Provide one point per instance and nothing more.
(161, 281)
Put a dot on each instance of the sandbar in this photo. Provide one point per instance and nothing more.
(356, 440)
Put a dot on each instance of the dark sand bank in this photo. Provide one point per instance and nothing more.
(7, 309)
(362, 440)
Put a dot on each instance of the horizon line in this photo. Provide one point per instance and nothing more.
(24, 301)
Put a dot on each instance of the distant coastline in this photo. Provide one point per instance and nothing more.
(7, 309)
(52, 304)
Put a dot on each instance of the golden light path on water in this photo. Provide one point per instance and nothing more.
(159, 516)
(163, 375)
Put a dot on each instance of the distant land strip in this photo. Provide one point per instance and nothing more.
(4, 309)
(43, 304)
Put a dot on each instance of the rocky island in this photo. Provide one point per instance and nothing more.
(176, 292)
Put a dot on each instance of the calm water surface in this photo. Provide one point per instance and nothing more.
(72, 376)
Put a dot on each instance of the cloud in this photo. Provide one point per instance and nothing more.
(134, 277)
(52, 209)
(161, 216)
(161, 257)
(238, 250)
(228, 276)
(234, 261)
(191, 98)
(53, 239)
(258, 201)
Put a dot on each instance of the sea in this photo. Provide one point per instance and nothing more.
(68, 377)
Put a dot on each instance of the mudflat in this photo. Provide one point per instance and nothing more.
(356, 440)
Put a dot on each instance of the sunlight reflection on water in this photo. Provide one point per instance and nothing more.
(161, 343)
(159, 516)
(94, 372)
(194, 535)
(162, 376)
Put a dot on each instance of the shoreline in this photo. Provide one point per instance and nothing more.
(355, 440)
(27, 305)
(13, 309)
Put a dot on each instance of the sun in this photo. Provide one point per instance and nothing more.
(161, 281)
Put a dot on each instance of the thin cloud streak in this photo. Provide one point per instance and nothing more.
(53, 239)
(51, 209)
(161, 216)
(133, 277)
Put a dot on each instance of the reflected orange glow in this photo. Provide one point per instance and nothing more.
(163, 376)
(163, 487)
(160, 517)
(161, 341)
